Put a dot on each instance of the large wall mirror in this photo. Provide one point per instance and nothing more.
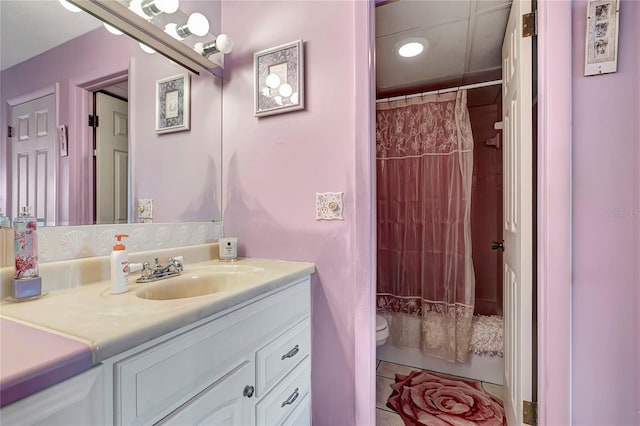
(50, 93)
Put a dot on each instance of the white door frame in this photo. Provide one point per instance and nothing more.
(554, 212)
(553, 216)
(81, 170)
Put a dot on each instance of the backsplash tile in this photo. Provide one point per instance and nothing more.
(77, 242)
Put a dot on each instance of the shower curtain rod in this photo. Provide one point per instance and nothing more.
(441, 91)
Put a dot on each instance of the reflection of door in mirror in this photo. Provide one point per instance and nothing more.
(111, 158)
(33, 158)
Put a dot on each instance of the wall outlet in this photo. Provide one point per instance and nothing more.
(329, 205)
(145, 209)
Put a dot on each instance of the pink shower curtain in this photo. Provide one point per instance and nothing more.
(426, 282)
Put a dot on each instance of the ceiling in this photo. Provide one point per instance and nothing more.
(25, 28)
(465, 44)
(465, 39)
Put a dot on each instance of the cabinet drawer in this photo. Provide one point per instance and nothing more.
(284, 399)
(280, 356)
(301, 415)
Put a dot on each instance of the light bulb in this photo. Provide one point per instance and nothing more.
(167, 6)
(152, 8)
(294, 98)
(136, 7)
(272, 81)
(112, 30)
(266, 92)
(146, 48)
(172, 30)
(278, 100)
(198, 24)
(224, 43)
(70, 7)
(285, 90)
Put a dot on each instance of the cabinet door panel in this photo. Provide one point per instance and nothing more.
(222, 403)
(76, 401)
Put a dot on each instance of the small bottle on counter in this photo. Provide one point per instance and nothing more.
(119, 266)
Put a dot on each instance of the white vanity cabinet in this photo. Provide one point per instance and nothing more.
(77, 401)
(248, 365)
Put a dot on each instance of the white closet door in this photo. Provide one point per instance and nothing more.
(112, 159)
(33, 158)
(518, 213)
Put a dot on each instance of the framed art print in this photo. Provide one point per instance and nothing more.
(279, 79)
(172, 104)
(601, 39)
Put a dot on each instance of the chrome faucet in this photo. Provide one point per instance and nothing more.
(158, 272)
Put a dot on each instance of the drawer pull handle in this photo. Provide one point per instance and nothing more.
(292, 398)
(248, 391)
(291, 353)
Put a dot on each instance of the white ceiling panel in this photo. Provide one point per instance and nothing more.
(465, 39)
(486, 43)
(405, 15)
(445, 56)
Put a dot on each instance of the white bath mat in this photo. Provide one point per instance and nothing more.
(487, 335)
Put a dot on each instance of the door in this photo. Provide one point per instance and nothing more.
(33, 158)
(112, 159)
(518, 214)
(227, 402)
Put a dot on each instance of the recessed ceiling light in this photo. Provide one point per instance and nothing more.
(411, 49)
(412, 46)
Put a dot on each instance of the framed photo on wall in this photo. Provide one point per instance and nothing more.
(601, 40)
(279, 79)
(172, 104)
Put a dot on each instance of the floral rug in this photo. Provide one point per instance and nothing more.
(425, 398)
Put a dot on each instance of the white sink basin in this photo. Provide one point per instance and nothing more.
(231, 268)
(200, 283)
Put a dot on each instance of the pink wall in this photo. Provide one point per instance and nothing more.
(158, 162)
(181, 171)
(606, 231)
(273, 167)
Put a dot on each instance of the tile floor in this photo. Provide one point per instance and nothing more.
(385, 376)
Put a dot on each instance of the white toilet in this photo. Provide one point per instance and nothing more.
(382, 330)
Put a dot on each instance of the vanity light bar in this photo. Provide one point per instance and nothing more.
(119, 16)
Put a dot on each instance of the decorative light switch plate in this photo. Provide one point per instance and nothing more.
(145, 210)
(329, 205)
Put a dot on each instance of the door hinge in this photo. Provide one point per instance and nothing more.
(94, 121)
(529, 413)
(529, 24)
(9, 131)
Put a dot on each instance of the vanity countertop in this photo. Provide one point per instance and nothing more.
(114, 323)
